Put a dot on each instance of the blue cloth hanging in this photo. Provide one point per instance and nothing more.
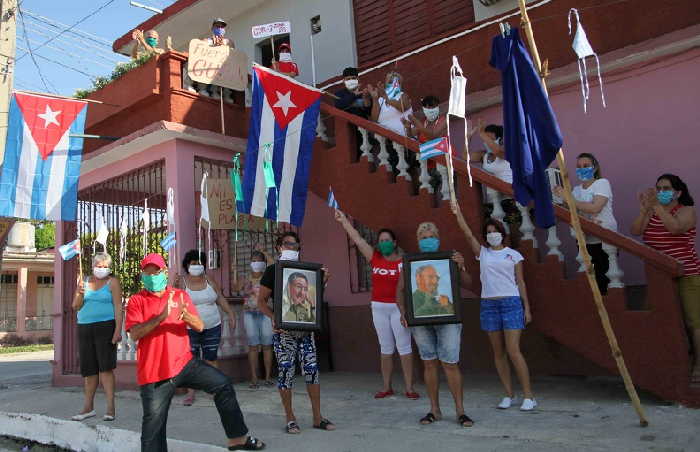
(531, 132)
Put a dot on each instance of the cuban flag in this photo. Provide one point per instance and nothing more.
(282, 131)
(70, 249)
(168, 241)
(40, 172)
(433, 148)
(332, 202)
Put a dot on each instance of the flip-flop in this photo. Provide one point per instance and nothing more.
(324, 424)
(253, 386)
(383, 394)
(250, 444)
(269, 383)
(292, 428)
(465, 421)
(83, 416)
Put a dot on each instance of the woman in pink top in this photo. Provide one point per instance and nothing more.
(386, 271)
(667, 222)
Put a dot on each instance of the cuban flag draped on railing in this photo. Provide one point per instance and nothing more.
(282, 131)
(42, 158)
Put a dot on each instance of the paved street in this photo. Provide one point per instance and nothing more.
(574, 415)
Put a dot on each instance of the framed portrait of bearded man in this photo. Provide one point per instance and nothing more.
(298, 297)
(432, 292)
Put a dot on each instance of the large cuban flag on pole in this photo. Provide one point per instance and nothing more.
(40, 173)
(282, 131)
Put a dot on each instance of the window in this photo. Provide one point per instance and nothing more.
(360, 270)
(8, 278)
(43, 280)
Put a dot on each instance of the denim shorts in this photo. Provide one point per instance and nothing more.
(205, 345)
(439, 342)
(502, 314)
(258, 328)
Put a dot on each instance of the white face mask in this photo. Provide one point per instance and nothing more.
(100, 272)
(196, 270)
(351, 84)
(258, 267)
(286, 57)
(431, 114)
(494, 238)
(289, 255)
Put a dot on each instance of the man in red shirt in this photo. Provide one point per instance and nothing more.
(157, 318)
(285, 65)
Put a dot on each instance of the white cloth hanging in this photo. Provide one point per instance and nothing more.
(146, 218)
(458, 110)
(203, 213)
(123, 231)
(584, 50)
(170, 209)
(102, 232)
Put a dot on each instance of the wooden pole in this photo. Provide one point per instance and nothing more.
(221, 104)
(272, 43)
(581, 239)
(8, 23)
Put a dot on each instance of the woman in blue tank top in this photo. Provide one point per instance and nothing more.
(98, 300)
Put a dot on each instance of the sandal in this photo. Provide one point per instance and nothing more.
(292, 428)
(412, 395)
(383, 394)
(83, 416)
(250, 444)
(465, 421)
(189, 400)
(324, 424)
(253, 386)
(269, 383)
(429, 419)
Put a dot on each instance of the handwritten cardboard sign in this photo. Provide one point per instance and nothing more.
(271, 29)
(221, 201)
(217, 65)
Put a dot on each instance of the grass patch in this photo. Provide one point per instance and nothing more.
(25, 348)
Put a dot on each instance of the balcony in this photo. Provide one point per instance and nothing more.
(155, 92)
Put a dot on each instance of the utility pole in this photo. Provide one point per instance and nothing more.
(8, 35)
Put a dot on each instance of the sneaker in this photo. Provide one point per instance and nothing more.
(528, 405)
(506, 403)
(83, 416)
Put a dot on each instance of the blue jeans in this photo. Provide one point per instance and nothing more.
(439, 342)
(156, 398)
(258, 328)
(205, 345)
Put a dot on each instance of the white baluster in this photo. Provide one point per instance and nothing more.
(614, 273)
(425, 177)
(526, 226)
(554, 243)
(444, 184)
(579, 256)
(495, 197)
(366, 146)
(402, 166)
(321, 129)
(383, 153)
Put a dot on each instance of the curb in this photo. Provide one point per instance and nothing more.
(81, 437)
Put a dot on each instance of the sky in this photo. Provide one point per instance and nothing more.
(71, 60)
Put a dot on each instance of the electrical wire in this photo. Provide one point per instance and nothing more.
(85, 62)
(30, 51)
(91, 76)
(76, 31)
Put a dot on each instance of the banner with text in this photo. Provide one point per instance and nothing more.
(272, 29)
(221, 201)
(217, 65)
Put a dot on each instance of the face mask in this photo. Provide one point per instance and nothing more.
(289, 255)
(196, 270)
(152, 41)
(431, 114)
(585, 173)
(155, 283)
(258, 267)
(219, 31)
(429, 245)
(393, 89)
(665, 196)
(285, 56)
(386, 247)
(100, 272)
(351, 84)
(494, 238)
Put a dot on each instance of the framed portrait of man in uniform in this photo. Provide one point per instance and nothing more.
(432, 292)
(298, 297)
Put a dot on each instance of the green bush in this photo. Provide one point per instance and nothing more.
(121, 69)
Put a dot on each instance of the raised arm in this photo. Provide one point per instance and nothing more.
(473, 242)
(640, 223)
(364, 247)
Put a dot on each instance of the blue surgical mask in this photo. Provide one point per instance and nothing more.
(665, 197)
(429, 245)
(219, 31)
(585, 173)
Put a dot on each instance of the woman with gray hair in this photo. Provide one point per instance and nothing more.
(98, 300)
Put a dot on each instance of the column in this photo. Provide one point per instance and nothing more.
(179, 174)
(22, 289)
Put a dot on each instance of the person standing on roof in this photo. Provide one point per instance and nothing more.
(285, 65)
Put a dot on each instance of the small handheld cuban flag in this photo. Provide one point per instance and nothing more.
(42, 157)
(70, 249)
(332, 202)
(433, 148)
(168, 241)
(393, 91)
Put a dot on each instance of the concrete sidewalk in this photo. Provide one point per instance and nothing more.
(573, 415)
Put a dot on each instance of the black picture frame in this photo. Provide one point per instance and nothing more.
(313, 315)
(417, 311)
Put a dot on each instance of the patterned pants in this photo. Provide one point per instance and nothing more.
(290, 348)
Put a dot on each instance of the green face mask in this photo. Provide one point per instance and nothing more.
(386, 247)
(155, 283)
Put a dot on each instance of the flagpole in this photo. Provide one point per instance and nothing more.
(581, 238)
(223, 127)
(56, 96)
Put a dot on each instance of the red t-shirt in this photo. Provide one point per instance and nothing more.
(385, 277)
(164, 352)
(288, 67)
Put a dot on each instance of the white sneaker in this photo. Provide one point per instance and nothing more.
(528, 405)
(82, 417)
(506, 403)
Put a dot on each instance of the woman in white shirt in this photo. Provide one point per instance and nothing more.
(594, 201)
(504, 305)
(390, 105)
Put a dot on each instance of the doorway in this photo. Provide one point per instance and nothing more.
(265, 49)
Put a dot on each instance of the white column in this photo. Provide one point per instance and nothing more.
(321, 129)
(383, 153)
(494, 197)
(614, 273)
(402, 166)
(553, 243)
(526, 226)
(579, 256)
(425, 177)
(366, 147)
(444, 184)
